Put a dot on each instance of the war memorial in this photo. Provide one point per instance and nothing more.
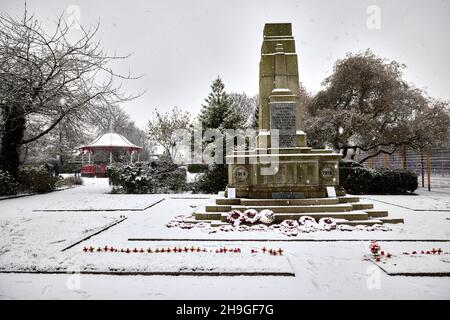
(282, 174)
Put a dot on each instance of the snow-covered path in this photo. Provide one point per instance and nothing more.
(35, 230)
(323, 271)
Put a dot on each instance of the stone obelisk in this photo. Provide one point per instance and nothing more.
(279, 88)
(299, 171)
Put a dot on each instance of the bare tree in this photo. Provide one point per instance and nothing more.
(46, 78)
(366, 105)
(112, 118)
(162, 128)
(246, 106)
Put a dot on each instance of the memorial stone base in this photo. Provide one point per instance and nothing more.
(287, 172)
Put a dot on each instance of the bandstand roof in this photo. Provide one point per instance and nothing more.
(110, 141)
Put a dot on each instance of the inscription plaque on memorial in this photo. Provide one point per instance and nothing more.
(327, 172)
(283, 119)
(241, 173)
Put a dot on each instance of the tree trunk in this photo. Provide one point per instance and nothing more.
(60, 149)
(352, 157)
(404, 157)
(422, 169)
(11, 141)
(344, 152)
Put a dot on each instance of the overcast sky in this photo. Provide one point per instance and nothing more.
(180, 46)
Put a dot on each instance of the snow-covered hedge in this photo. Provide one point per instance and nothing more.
(147, 177)
(357, 179)
(37, 179)
(8, 185)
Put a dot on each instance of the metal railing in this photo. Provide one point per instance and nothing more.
(432, 167)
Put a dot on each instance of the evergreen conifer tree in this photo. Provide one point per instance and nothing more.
(217, 113)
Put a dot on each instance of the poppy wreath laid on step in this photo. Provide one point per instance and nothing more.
(235, 217)
(307, 221)
(308, 224)
(327, 224)
(267, 216)
(251, 216)
(289, 224)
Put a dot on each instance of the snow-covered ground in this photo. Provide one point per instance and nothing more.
(434, 200)
(35, 230)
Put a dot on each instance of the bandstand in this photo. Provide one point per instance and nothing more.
(110, 143)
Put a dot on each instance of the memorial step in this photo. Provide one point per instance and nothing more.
(352, 215)
(367, 222)
(203, 215)
(392, 220)
(348, 199)
(228, 201)
(217, 208)
(289, 202)
(349, 215)
(361, 206)
(352, 218)
(297, 209)
(283, 209)
(307, 201)
(376, 213)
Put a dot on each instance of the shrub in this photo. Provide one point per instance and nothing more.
(70, 168)
(213, 180)
(357, 180)
(73, 180)
(135, 178)
(38, 179)
(147, 177)
(360, 180)
(8, 186)
(197, 168)
(400, 181)
(349, 163)
(113, 173)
